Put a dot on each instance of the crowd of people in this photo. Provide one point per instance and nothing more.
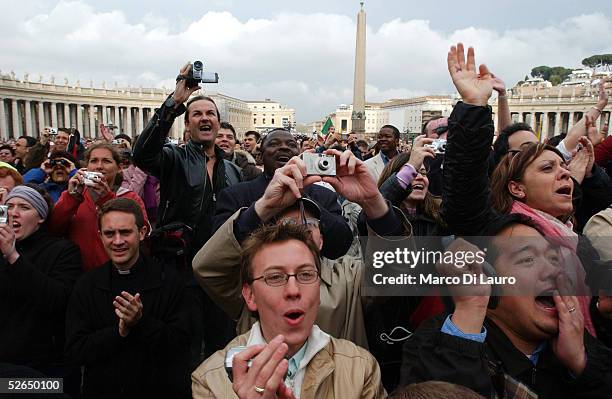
(214, 268)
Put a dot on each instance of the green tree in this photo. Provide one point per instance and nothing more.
(542, 71)
(599, 60)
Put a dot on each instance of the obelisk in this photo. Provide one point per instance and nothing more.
(358, 115)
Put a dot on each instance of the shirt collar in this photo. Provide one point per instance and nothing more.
(385, 158)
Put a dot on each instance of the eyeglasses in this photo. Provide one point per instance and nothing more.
(279, 279)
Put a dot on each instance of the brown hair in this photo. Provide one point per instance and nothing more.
(435, 390)
(430, 205)
(116, 157)
(512, 167)
(205, 98)
(17, 178)
(124, 205)
(273, 234)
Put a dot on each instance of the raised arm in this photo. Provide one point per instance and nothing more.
(148, 150)
(466, 205)
(580, 128)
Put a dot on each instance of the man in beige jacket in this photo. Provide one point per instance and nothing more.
(216, 265)
(284, 354)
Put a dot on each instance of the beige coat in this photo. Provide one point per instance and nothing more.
(217, 268)
(599, 230)
(340, 370)
(375, 166)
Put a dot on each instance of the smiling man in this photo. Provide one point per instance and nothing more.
(128, 322)
(226, 140)
(291, 357)
(278, 147)
(388, 141)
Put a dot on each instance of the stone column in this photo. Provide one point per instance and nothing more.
(139, 116)
(545, 126)
(41, 115)
(128, 121)
(79, 119)
(3, 126)
(54, 115)
(104, 114)
(570, 121)
(15, 114)
(28, 119)
(558, 120)
(92, 121)
(67, 115)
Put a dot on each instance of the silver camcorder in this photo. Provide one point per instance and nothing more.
(319, 164)
(197, 75)
(438, 145)
(3, 214)
(91, 178)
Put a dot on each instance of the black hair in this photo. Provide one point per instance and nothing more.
(556, 140)
(501, 146)
(278, 129)
(205, 98)
(253, 133)
(396, 132)
(424, 127)
(63, 154)
(227, 125)
(30, 141)
(7, 147)
(124, 136)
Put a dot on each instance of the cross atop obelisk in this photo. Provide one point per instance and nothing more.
(358, 115)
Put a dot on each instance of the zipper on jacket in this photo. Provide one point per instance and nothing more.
(533, 377)
(163, 218)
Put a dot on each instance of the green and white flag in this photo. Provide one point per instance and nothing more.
(326, 126)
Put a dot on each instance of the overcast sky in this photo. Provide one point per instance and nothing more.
(299, 53)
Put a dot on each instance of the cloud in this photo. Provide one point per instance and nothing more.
(302, 60)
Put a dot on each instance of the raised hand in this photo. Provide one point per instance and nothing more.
(355, 183)
(264, 378)
(419, 152)
(568, 345)
(129, 310)
(107, 135)
(602, 98)
(284, 188)
(182, 92)
(474, 86)
(593, 134)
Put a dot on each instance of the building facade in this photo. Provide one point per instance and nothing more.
(268, 114)
(551, 111)
(27, 107)
(408, 115)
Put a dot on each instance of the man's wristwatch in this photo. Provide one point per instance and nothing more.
(170, 103)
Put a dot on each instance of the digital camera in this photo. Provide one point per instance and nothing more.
(91, 178)
(61, 162)
(319, 164)
(3, 214)
(438, 145)
(229, 358)
(196, 75)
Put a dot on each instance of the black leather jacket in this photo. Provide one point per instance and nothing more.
(184, 195)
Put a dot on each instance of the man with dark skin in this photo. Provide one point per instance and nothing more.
(388, 141)
(277, 148)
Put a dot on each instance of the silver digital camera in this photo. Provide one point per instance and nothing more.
(319, 164)
(3, 214)
(438, 145)
(229, 358)
(91, 178)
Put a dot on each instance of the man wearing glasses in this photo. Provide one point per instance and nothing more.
(217, 265)
(285, 354)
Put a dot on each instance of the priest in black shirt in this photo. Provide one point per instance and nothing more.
(128, 321)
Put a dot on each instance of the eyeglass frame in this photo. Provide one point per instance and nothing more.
(287, 277)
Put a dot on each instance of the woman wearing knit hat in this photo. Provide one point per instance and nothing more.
(37, 273)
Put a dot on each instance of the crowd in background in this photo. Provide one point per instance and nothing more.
(134, 267)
